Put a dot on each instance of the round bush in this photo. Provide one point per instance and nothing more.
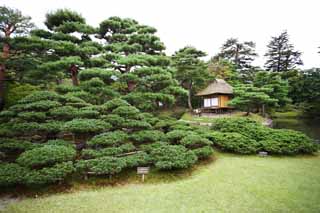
(103, 165)
(176, 135)
(138, 159)
(288, 142)
(195, 141)
(11, 174)
(46, 155)
(203, 152)
(235, 142)
(173, 157)
(47, 175)
(110, 151)
(32, 116)
(86, 126)
(15, 145)
(126, 111)
(113, 104)
(108, 139)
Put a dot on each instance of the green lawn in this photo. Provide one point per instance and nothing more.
(189, 117)
(230, 184)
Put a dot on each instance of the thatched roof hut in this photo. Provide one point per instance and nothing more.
(219, 86)
(216, 95)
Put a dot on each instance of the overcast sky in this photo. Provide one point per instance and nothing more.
(204, 24)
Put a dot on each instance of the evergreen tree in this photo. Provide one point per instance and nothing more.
(191, 71)
(281, 54)
(12, 22)
(69, 43)
(137, 54)
(249, 97)
(241, 54)
(279, 87)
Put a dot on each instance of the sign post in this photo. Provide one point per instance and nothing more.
(143, 171)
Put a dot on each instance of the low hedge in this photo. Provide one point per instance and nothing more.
(46, 155)
(173, 157)
(57, 172)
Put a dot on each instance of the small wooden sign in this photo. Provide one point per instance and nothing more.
(263, 154)
(143, 171)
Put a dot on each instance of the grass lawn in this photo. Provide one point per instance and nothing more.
(231, 183)
(189, 117)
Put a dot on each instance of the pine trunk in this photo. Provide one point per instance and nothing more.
(189, 97)
(74, 75)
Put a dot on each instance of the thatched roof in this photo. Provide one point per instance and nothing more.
(219, 86)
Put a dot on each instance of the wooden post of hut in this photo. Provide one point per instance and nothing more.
(215, 97)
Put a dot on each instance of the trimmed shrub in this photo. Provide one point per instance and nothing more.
(64, 112)
(86, 113)
(46, 155)
(109, 139)
(102, 166)
(288, 142)
(113, 104)
(13, 145)
(176, 135)
(110, 151)
(28, 128)
(63, 89)
(126, 111)
(86, 126)
(47, 175)
(138, 159)
(136, 125)
(244, 126)
(194, 141)
(51, 127)
(203, 152)
(148, 136)
(149, 147)
(173, 157)
(32, 116)
(11, 174)
(39, 105)
(114, 120)
(40, 96)
(235, 142)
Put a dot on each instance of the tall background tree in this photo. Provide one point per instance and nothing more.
(281, 55)
(241, 54)
(12, 22)
(191, 71)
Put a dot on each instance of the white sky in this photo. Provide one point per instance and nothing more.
(204, 24)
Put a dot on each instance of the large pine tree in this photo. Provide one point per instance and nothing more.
(281, 55)
(241, 54)
(12, 22)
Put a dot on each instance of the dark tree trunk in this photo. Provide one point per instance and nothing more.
(189, 96)
(131, 85)
(74, 75)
